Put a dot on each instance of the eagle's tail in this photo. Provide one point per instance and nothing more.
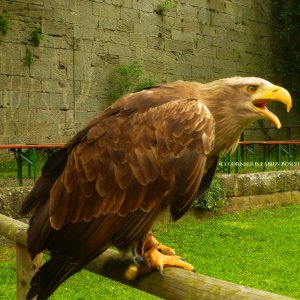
(50, 276)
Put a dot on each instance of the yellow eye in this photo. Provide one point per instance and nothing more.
(251, 89)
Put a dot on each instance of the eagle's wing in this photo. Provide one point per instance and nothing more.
(124, 164)
(120, 172)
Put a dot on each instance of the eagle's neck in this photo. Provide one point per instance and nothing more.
(227, 134)
(229, 124)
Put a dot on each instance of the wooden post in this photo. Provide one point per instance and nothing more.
(176, 284)
(25, 269)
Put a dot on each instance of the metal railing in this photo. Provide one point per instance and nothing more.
(261, 156)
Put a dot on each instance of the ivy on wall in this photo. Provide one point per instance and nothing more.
(3, 24)
(129, 78)
(287, 49)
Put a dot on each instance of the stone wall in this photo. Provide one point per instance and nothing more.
(257, 190)
(84, 40)
(243, 192)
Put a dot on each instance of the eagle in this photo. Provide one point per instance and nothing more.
(152, 150)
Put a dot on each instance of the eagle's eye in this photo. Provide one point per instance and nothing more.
(251, 89)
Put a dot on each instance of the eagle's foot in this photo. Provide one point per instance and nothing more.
(157, 261)
(151, 255)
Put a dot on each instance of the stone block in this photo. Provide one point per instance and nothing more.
(94, 105)
(24, 83)
(232, 8)
(58, 116)
(57, 4)
(106, 10)
(121, 50)
(81, 32)
(146, 29)
(45, 13)
(149, 18)
(61, 101)
(123, 38)
(66, 131)
(190, 25)
(187, 11)
(14, 8)
(67, 16)
(125, 3)
(8, 114)
(223, 20)
(14, 99)
(146, 6)
(39, 100)
(183, 36)
(128, 14)
(228, 54)
(57, 29)
(41, 115)
(84, 7)
(108, 23)
(4, 140)
(40, 70)
(172, 23)
(138, 40)
(70, 117)
(40, 132)
(125, 25)
(260, 183)
(24, 115)
(84, 117)
(59, 72)
(58, 42)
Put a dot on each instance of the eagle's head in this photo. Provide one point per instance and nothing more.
(237, 102)
(255, 93)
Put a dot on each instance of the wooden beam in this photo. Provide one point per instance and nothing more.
(175, 283)
(25, 269)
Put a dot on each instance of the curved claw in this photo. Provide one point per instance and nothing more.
(158, 261)
(151, 255)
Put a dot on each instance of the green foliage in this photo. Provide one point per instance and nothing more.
(28, 58)
(36, 36)
(287, 49)
(214, 197)
(259, 248)
(3, 24)
(165, 6)
(129, 78)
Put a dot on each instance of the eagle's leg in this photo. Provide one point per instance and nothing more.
(151, 255)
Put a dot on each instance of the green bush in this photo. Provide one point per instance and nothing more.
(213, 199)
(129, 78)
(28, 58)
(165, 6)
(3, 24)
(36, 36)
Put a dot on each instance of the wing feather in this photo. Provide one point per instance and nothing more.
(121, 167)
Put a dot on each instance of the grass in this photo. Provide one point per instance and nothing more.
(8, 171)
(259, 249)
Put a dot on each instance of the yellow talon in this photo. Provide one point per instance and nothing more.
(155, 257)
(132, 272)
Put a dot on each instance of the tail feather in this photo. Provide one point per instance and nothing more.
(50, 276)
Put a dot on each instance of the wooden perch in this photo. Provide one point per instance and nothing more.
(175, 284)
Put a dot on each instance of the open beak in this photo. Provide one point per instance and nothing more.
(274, 93)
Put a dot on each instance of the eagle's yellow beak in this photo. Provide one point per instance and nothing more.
(271, 94)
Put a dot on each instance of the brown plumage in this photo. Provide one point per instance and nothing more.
(151, 150)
